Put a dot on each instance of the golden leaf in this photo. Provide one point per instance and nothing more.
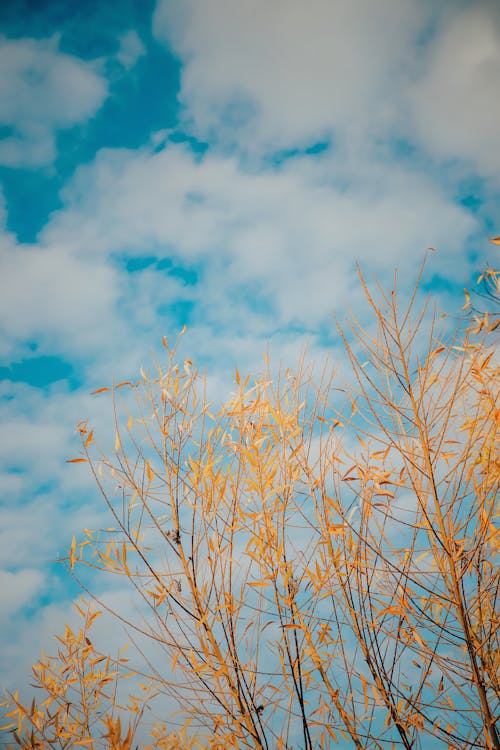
(72, 553)
(256, 584)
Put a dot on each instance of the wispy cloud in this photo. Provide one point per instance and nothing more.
(42, 90)
(454, 103)
(131, 49)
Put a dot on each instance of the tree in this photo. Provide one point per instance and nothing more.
(315, 562)
(80, 699)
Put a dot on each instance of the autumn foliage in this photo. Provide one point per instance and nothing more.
(314, 561)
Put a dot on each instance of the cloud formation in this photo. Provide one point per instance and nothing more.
(287, 74)
(42, 90)
(455, 103)
(291, 230)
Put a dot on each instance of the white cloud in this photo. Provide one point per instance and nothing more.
(42, 90)
(285, 73)
(455, 104)
(131, 49)
(263, 76)
(293, 233)
(18, 588)
(46, 290)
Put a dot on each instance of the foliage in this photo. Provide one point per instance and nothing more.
(80, 706)
(489, 296)
(315, 563)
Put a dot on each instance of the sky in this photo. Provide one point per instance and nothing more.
(221, 166)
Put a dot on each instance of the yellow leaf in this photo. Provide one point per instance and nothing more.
(376, 695)
(99, 390)
(93, 616)
(258, 583)
(89, 438)
(76, 461)
(495, 240)
(72, 553)
(174, 660)
(442, 348)
(332, 733)
(336, 528)
(8, 726)
(421, 557)
(365, 694)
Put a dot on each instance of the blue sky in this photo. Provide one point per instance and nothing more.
(222, 165)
